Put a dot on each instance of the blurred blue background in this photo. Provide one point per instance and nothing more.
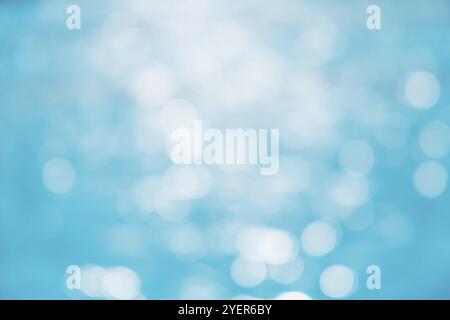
(86, 178)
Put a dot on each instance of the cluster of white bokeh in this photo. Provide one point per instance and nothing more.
(422, 90)
(118, 283)
(193, 61)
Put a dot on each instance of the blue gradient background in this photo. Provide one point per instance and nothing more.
(78, 95)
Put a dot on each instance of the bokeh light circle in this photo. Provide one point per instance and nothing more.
(337, 281)
(293, 295)
(318, 238)
(59, 175)
(422, 90)
(430, 179)
(247, 273)
(287, 273)
(434, 139)
(121, 283)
